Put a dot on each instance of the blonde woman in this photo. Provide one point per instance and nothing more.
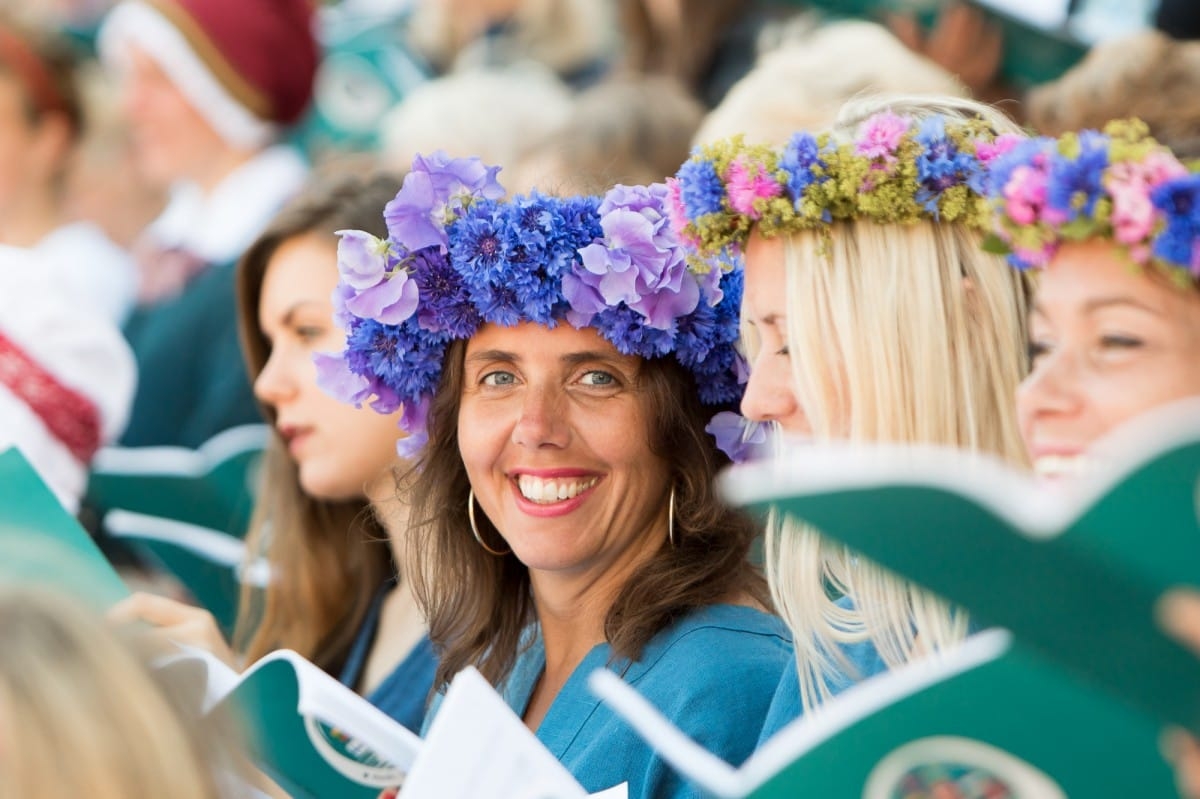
(870, 314)
(81, 714)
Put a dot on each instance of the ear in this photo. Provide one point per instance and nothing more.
(53, 143)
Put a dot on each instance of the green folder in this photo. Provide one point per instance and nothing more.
(212, 486)
(40, 542)
(208, 563)
(312, 735)
(988, 719)
(1074, 571)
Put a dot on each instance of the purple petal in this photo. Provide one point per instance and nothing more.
(390, 302)
(341, 316)
(410, 215)
(664, 307)
(737, 436)
(335, 379)
(581, 296)
(361, 258)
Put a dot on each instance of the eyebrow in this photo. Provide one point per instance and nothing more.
(289, 315)
(571, 359)
(769, 319)
(1100, 303)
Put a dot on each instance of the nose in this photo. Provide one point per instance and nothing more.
(274, 385)
(1051, 388)
(542, 421)
(769, 395)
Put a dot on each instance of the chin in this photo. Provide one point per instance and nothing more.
(328, 487)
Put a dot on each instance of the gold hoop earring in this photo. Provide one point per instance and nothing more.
(475, 528)
(671, 519)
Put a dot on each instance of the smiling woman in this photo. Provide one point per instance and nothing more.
(1116, 317)
(558, 364)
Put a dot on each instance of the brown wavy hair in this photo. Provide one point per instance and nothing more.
(477, 604)
(328, 559)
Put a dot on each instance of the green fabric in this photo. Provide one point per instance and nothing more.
(192, 381)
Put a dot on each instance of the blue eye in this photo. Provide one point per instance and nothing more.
(499, 379)
(598, 378)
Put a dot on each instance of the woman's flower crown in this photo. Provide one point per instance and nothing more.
(458, 256)
(1120, 184)
(897, 169)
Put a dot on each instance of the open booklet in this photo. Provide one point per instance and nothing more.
(40, 541)
(1073, 568)
(212, 565)
(987, 719)
(478, 748)
(312, 735)
(212, 486)
(317, 738)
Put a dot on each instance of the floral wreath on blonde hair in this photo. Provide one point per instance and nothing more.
(896, 170)
(458, 255)
(1118, 184)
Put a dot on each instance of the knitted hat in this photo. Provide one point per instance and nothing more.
(246, 65)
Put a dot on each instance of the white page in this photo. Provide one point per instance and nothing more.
(477, 748)
(1048, 14)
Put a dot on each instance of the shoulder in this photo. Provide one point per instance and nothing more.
(714, 656)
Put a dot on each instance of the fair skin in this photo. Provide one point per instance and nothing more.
(559, 413)
(342, 452)
(1179, 614)
(770, 393)
(171, 139)
(1109, 342)
(32, 157)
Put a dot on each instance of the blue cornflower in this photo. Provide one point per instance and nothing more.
(799, 158)
(700, 188)
(1179, 200)
(627, 330)
(477, 246)
(445, 306)
(940, 165)
(403, 357)
(1074, 184)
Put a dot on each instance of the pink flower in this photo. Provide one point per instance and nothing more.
(675, 210)
(987, 151)
(1160, 166)
(1025, 194)
(1133, 215)
(880, 135)
(748, 183)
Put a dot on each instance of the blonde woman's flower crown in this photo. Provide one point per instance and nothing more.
(896, 170)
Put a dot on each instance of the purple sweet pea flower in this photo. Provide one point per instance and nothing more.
(639, 263)
(412, 421)
(389, 302)
(335, 379)
(417, 216)
(341, 315)
(361, 258)
(737, 436)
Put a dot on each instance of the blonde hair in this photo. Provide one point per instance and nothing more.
(897, 333)
(801, 85)
(82, 714)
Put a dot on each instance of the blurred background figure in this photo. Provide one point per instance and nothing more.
(41, 127)
(209, 89)
(630, 129)
(496, 114)
(83, 714)
(1147, 75)
(801, 85)
(577, 39)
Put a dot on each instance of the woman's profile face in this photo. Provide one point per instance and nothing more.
(554, 431)
(771, 394)
(1108, 341)
(342, 452)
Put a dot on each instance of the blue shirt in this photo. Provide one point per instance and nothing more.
(712, 673)
(403, 694)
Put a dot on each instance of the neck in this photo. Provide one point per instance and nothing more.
(223, 163)
(35, 216)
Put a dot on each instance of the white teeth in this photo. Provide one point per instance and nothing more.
(535, 489)
(1061, 465)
